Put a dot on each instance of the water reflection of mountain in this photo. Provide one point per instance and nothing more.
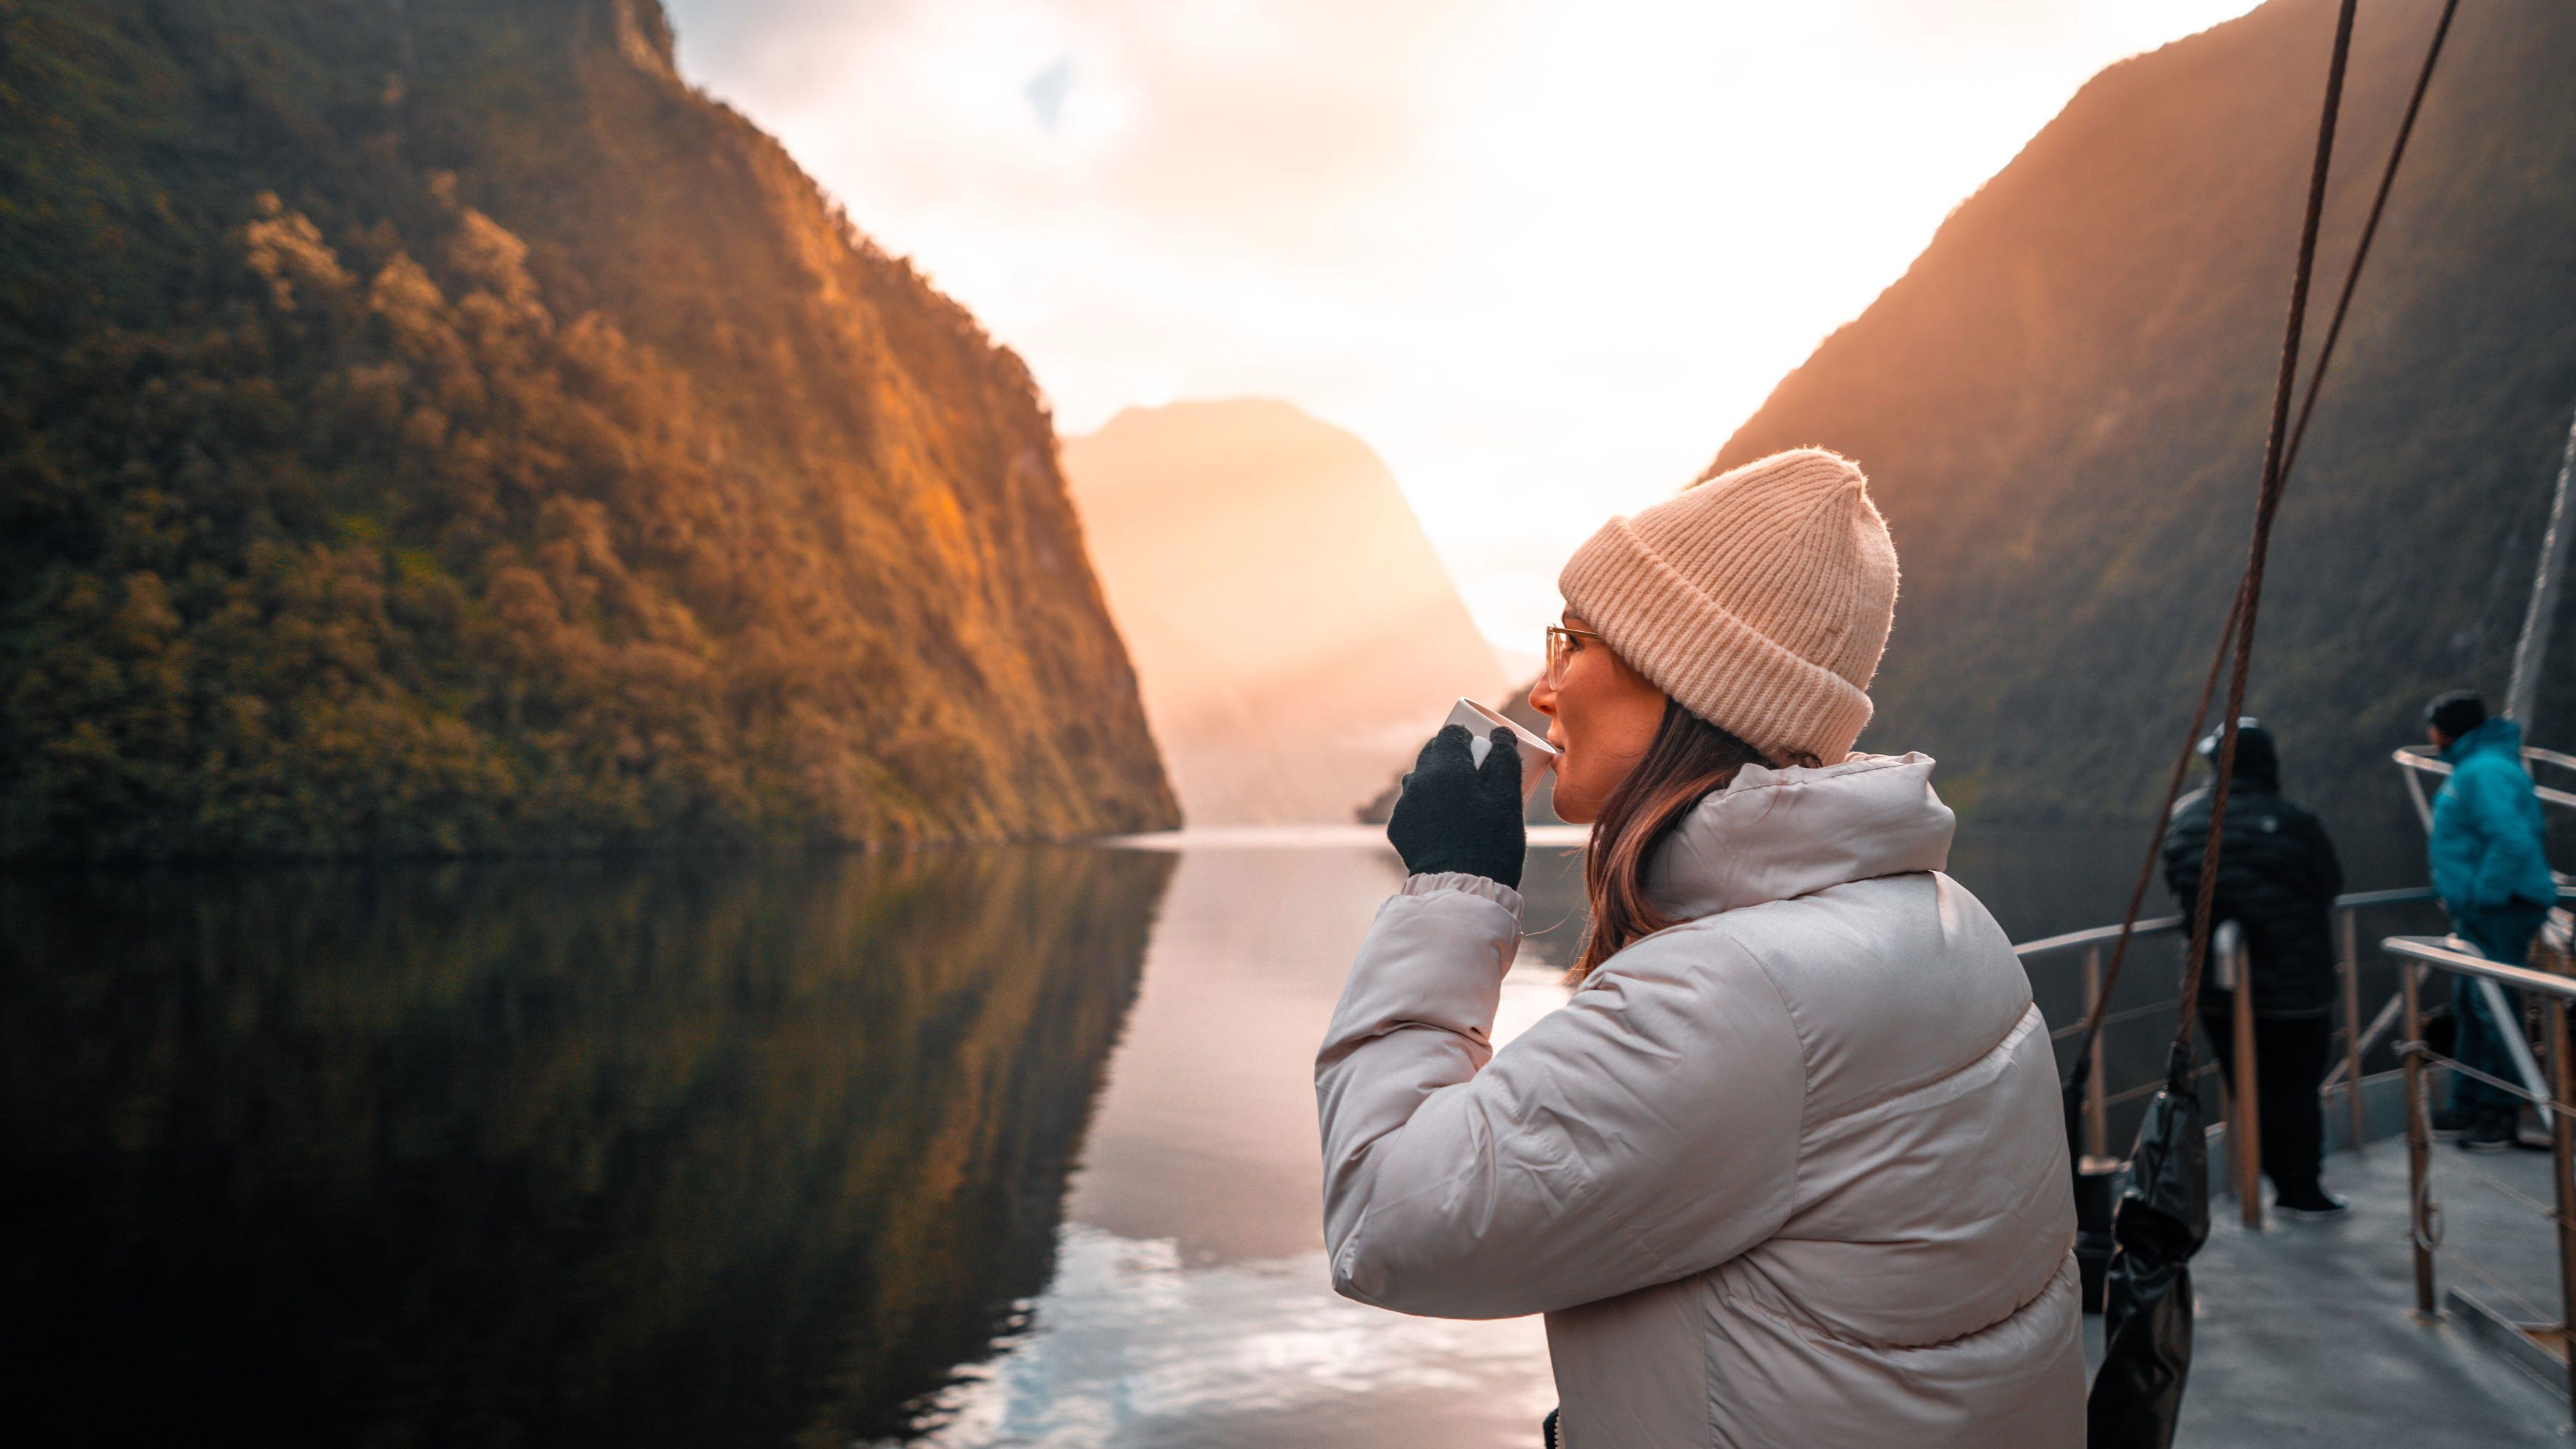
(667, 1152)
(1191, 1304)
(757, 1153)
(1205, 1134)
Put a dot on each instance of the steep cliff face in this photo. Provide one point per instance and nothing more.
(2061, 407)
(1294, 630)
(435, 427)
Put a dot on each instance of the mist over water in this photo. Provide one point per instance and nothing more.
(974, 1147)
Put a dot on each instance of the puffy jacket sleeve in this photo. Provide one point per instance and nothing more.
(2324, 867)
(2184, 839)
(1645, 1132)
(2510, 857)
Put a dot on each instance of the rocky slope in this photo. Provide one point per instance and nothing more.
(1292, 627)
(432, 428)
(2061, 407)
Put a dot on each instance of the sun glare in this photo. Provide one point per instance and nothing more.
(1544, 257)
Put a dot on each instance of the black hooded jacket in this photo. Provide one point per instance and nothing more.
(2277, 879)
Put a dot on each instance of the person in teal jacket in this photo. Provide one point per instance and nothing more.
(2492, 877)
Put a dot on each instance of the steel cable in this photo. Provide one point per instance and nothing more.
(2087, 1048)
(2249, 603)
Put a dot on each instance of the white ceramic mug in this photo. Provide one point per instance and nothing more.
(1537, 755)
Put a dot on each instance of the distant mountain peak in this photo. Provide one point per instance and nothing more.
(1293, 629)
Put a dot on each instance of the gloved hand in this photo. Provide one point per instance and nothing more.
(1455, 815)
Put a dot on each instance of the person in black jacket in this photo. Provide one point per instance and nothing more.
(2277, 880)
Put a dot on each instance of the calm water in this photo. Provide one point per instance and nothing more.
(1009, 1147)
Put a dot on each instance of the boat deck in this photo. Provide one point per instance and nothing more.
(2304, 1334)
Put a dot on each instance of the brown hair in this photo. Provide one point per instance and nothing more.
(1688, 759)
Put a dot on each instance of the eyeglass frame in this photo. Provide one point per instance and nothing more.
(1555, 669)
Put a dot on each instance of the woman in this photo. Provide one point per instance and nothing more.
(1789, 1167)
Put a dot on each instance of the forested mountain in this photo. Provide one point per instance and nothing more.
(2061, 407)
(1292, 626)
(434, 427)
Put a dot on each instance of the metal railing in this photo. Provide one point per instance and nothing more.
(2546, 1086)
(2417, 761)
(2418, 956)
(2243, 1146)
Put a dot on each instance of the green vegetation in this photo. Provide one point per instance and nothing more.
(2062, 404)
(428, 429)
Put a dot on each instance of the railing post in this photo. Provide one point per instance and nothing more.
(2419, 1143)
(2350, 921)
(2222, 974)
(2247, 1125)
(2097, 1132)
(2562, 1153)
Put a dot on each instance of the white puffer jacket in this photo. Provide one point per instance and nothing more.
(1790, 1173)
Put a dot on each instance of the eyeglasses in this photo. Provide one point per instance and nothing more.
(1560, 645)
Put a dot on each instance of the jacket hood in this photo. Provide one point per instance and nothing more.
(2497, 733)
(1772, 835)
(2258, 758)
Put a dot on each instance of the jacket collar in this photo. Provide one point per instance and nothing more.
(1772, 835)
(2497, 733)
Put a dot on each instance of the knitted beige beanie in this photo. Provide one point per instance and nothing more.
(1760, 599)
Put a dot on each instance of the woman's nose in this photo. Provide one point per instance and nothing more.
(1542, 698)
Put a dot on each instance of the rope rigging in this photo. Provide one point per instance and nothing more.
(2236, 634)
(2250, 594)
(2135, 1400)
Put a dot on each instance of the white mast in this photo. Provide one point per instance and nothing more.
(2533, 648)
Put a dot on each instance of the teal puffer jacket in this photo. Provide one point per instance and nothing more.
(2487, 827)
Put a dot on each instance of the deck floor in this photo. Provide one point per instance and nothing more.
(2304, 1336)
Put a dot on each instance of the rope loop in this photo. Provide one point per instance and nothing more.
(2428, 1212)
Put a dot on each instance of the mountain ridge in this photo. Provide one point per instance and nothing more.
(446, 431)
(2061, 407)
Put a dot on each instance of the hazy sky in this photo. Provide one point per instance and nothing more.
(1543, 256)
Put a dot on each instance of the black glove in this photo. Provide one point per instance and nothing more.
(1456, 816)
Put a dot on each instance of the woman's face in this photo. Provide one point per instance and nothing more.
(1603, 714)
